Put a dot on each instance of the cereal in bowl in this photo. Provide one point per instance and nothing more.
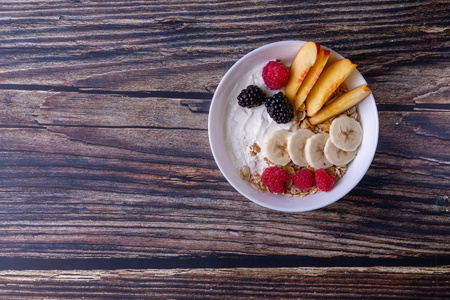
(295, 133)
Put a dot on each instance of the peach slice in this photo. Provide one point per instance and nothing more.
(311, 78)
(330, 79)
(303, 61)
(341, 104)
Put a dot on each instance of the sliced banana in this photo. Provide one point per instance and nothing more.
(275, 147)
(337, 156)
(346, 133)
(314, 153)
(296, 146)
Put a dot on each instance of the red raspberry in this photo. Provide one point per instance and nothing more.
(304, 179)
(274, 178)
(324, 181)
(275, 75)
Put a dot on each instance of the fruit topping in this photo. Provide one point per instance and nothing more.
(274, 178)
(275, 147)
(314, 151)
(337, 156)
(275, 75)
(252, 96)
(324, 181)
(311, 78)
(280, 108)
(304, 179)
(296, 146)
(346, 133)
(303, 61)
(341, 104)
(330, 79)
(325, 133)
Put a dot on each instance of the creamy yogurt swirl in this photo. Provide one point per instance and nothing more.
(245, 126)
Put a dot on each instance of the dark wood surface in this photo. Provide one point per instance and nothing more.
(108, 187)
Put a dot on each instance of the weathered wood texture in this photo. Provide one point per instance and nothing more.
(104, 148)
(284, 283)
(63, 183)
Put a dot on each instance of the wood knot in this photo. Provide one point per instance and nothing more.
(175, 23)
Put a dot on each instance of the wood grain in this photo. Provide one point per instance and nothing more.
(285, 283)
(135, 45)
(97, 151)
(108, 188)
(85, 178)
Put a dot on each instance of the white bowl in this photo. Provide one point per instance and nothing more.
(285, 51)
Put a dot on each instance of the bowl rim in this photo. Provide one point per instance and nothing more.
(224, 167)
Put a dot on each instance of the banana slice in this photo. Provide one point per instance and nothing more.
(275, 147)
(296, 146)
(346, 133)
(337, 156)
(314, 151)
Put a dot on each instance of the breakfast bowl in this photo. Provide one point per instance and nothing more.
(218, 120)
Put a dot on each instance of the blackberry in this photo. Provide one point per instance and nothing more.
(280, 108)
(251, 96)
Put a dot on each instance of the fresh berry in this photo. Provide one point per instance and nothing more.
(251, 96)
(275, 75)
(274, 178)
(304, 179)
(324, 181)
(280, 108)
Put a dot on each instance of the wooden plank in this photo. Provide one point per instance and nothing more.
(64, 183)
(417, 84)
(190, 146)
(146, 47)
(17, 108)
(67, 213)
(94, 176)
(285, 283)
(97, 110)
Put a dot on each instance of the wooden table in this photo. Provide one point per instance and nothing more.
(108, 187)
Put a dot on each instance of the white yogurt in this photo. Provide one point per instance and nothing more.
(245, 126)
